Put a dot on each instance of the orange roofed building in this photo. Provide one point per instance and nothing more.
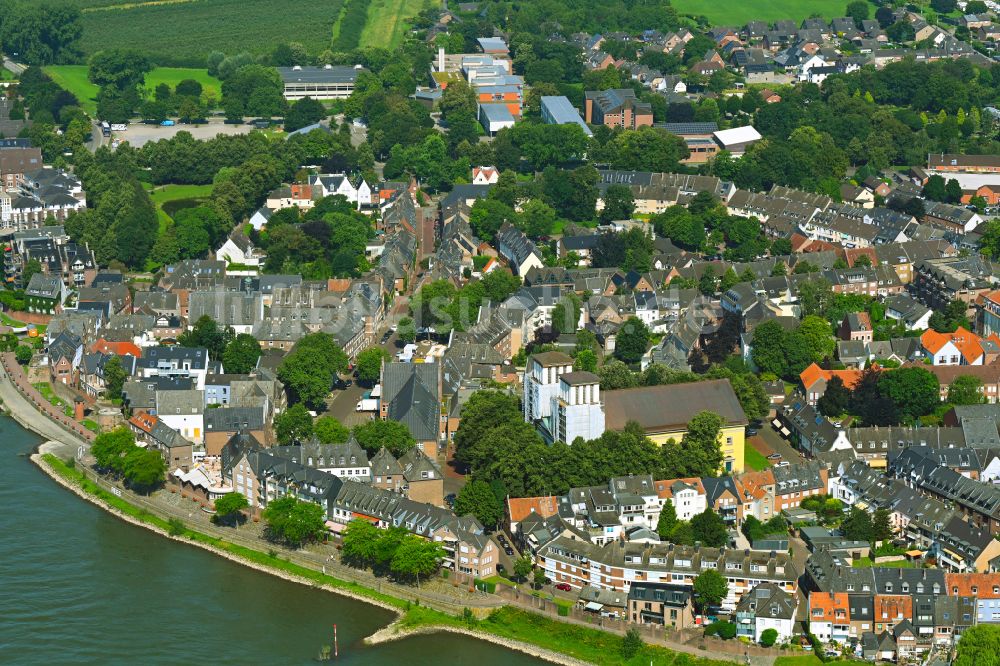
(815, 379)
(117, 348)
(519, 508)
(985, 587)
(963, 347)
(830, 616)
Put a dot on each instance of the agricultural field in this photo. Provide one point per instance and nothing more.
(74, 79)
(183, 32)
(388, 21)
(739, 12)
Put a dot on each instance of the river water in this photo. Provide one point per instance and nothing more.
(80, 586)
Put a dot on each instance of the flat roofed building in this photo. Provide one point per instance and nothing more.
(326, 82)
(557, 110)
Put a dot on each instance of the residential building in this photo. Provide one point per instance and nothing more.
(411, 394)
(518, 250)
(766, 606)
(618, 566)
(616, 108)
(576, 410)
(661, 604)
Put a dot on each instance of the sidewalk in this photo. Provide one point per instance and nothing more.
(32, 411)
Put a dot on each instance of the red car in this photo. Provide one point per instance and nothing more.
(564, 587)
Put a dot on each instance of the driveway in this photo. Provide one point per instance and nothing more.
(769, 441)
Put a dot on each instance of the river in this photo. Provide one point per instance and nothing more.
(80, 586)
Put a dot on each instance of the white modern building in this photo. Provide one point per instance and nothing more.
(576, 409)
(541, 383)
(326, 82)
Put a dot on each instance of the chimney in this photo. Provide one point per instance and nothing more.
(440, 58)
(78, 409)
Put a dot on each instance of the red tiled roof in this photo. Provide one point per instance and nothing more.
(521, 507)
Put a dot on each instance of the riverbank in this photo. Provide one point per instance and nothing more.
(507, 627)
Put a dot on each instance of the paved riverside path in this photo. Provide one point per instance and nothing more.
(25, 413)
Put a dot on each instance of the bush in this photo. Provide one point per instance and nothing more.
(769, 637)
(631, 643)
(175, 527)
(563, 611)
(724, 630)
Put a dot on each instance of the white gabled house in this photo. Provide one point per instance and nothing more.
(326, 185)
(239, 249)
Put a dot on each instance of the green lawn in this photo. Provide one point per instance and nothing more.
(753, 459)
(162, 195)
(736, 13)
(388, 21)
(801, 660)
(866, 563)
(74, 79)
(7, 321)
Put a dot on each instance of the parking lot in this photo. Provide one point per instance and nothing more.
(139, 134)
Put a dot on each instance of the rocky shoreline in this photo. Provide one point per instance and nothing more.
(391, 632)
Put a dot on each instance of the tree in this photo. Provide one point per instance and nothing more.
(293, 425)
(31, 268)
(769, 637)
(539, 578)
(915, 391)
(944, 6)
(836, 400)
(858, 526)
(882, 525)
(632, 340)
(416, 557)
(121, 69)
(241, 354)
(619, 204)
(710, 529)
(701, 444)
(228, 507)
(293, 521)
(935, 188)
(966, 390)
(585, 359)
(144, 469)
(818, 336)
(537, 218)
(369, 365)
(304, 112)
(631, 643)
(978, 645)
(522, 567)
(110, 448)
(329, 430)
(360, 543)
(377, 434)
(667, 521)
(406, 331)
(23, 354)
(205, 333)
(858, 11)
(477, 498)
(710, 588)
(309, 369)
(114, 377)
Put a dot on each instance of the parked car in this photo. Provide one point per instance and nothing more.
(450, 499)
(501, 569)
(508, 550)
(752, 431)
(341, 384)
(774, 456)
(565, 587)
(386, 336)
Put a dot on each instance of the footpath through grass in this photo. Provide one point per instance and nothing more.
(585, 643)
